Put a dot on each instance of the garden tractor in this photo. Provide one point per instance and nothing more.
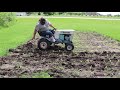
(61, 36)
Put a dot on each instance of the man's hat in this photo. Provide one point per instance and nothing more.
(41, 18)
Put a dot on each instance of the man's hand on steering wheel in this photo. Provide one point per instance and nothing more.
(54, 29)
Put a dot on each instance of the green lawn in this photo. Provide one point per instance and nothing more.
(15, 35)
(107, 27)
(22, 31)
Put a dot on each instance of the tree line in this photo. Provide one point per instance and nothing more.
(70, 13)
(55, 13)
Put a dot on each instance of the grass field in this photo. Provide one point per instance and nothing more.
(22, 31)
(15, 35)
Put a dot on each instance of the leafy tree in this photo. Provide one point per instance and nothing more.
(39, 13)
(6, 18)
(48, 13)
(61, 12)
(29, 13)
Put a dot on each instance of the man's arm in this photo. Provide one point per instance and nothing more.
(35, 31)
(52, 26)
(34, 34)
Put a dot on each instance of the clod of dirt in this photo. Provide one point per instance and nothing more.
(14, 54)
(11, 50)
(85, 73)
(99, 74)
(30, 45)
(7, 66)
(15, 50)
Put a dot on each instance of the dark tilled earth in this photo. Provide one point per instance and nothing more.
(94, 56)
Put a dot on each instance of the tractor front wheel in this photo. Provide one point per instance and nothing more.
(69, 47)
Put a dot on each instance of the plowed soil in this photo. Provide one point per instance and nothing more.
(94, 56)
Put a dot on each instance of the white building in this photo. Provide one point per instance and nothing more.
(21, 14)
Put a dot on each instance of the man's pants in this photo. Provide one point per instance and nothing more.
(47, 33)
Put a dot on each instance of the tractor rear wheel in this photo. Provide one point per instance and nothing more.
(43, 44)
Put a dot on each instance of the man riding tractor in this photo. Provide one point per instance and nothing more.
(43, 29)
(49, 37)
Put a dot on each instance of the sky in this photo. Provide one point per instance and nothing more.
(112, 13)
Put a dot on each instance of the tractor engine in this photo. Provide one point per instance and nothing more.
(64, 35)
